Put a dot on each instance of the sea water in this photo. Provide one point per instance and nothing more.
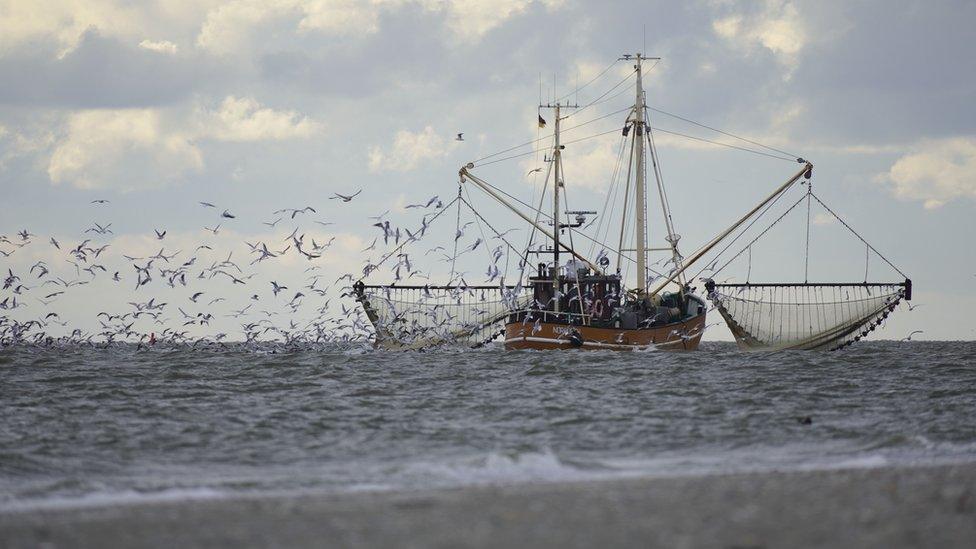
(84, 425)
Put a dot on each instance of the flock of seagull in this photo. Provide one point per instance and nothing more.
(276, 312)
(193, 302)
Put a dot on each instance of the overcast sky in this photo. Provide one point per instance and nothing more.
(267, 104)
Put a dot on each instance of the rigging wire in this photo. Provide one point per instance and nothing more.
(400, 247)
(611, 191)
(591, 103)
(722, 132)
(457, 229)
(493, 229)
(594, 79)
(671, 132)
(740, 235)
(890, 264)
(549, 217)
(536, 150)
(660, 176)
(548, 136)
(729, 145)
(760, 235)
(538, 211)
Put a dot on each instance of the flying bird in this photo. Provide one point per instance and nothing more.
(459, 137)
(345, 198)
(909, 338)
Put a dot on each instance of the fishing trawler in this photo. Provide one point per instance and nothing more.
(574, 301)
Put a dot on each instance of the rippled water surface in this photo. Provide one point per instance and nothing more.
(96, 425)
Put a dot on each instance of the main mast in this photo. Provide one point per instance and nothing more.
(640, 225)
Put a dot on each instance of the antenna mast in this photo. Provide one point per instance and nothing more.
(557, 181)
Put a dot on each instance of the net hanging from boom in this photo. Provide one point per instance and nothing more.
(424, 316)
(776, 316)
(410, 316)
(804, 315)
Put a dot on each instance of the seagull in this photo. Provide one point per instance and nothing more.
(160, 235)
(275, 287)
(909, 338)
(537, 170)
(295, 211)
(345, 198)
(459, 137)
(913, 307)
(207, 205)
(228, 215)
(213, 230)
(99, 201)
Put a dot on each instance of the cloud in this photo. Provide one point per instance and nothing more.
(244, 119)
(102, 71)
(125, 148)
(409, 150)
(146, 148)
(162, 46)
(63, 22)
(935, 172)
(590, 163)
(230, 26)
(777, 27)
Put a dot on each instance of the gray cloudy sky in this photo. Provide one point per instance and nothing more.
(266, 104)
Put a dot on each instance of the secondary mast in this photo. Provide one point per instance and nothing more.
(557, 173)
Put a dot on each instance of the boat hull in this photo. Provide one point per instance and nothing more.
(679, 336)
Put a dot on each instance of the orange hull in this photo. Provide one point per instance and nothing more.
(683, 336)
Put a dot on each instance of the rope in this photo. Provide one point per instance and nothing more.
(722, 132)
(729, 145)
(549, 217)
(890, 264)
(400, 247)
(594, 79)
(497, 234)
(591, 103)
(547, 136)
(538, 212)
(740, 235)
(753, 241)
(612, 191)
(537, 150)
(457, 227)
(806, 255)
